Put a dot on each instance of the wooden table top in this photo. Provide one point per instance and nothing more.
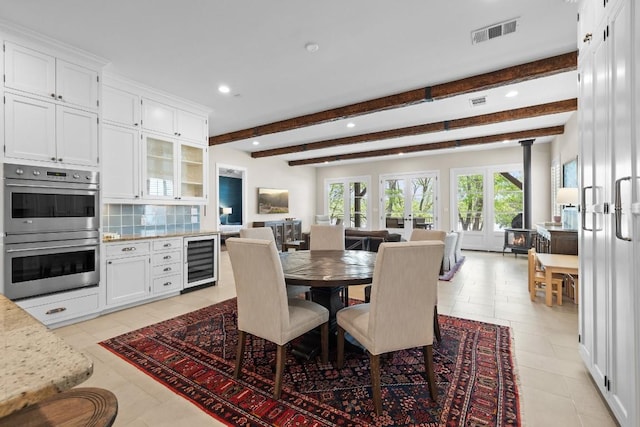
(328, 268)
(36, 363)
(558, 260)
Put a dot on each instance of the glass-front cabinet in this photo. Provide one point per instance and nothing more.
(174, 169)
(160, 171)
(192, 171)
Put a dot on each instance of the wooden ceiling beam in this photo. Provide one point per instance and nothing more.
(485, 119)
(526, 134)
(510, 75)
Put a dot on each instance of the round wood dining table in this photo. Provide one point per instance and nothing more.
(327, 272)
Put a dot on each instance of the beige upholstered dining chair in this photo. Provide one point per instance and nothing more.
(403, 295)
(417, 235)
(266, 233)
(326, 237)
(329, 238)
(263, 307)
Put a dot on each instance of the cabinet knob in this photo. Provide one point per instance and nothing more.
(587, 37)
(167, 284)
(109, 262)
(135, 124)
(53, 158)
(59, 96)
(60, 159)
(136, 196)
(53, 95)
(167, 269)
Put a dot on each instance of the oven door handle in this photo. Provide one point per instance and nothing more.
(90, 187)
(49, 247)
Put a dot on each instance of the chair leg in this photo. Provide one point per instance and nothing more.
(431, 376)
(281, 355)
(367, 293)
(345, 296)
(375, 382)
(436, 324)
(340, 345)
(239, 354)
(324, 340)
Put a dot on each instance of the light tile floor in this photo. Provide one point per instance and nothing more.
(555, 387)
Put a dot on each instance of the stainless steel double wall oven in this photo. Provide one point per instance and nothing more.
(51, 223)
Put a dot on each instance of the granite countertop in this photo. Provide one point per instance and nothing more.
(158, 236)
(36, 363)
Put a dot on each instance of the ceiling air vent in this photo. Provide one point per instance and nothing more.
(479, 101)
(493, 31)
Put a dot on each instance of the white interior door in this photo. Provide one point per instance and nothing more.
(408, 201)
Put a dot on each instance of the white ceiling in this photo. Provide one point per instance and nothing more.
(368, 49)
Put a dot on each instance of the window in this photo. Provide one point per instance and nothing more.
(348, 195)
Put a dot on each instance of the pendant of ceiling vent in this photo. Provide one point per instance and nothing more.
(494, 31)
(479, 101)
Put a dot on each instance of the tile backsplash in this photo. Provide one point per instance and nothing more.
(149, 220)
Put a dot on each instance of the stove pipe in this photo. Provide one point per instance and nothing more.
(526, 161)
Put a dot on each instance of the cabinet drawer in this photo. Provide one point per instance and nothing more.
(167, 283)
(163, 258)
(166, 244)
(127, 249)
(56, 311)
(163, 270)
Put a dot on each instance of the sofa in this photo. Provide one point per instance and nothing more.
(368, 239)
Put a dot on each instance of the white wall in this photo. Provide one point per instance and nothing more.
(442, 164)
(565, 147)
(263, 172)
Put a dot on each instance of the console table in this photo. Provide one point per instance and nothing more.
(283, 230)
(554, 239)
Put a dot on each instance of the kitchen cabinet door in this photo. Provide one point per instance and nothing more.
(127, 279)
(29, 128)
(76, 136)
(120, 107)
(192, 126)
(158, 117)
(76, 85)
(29, 70)
(120, 162)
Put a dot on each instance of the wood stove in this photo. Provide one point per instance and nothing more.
(519, 240)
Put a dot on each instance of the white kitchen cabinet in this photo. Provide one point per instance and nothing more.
(174, 170)
(120, 107)
(168, 120)
(166, 261)
(608, 318)
(63, 308)
(38, 73)
(127, 272)
(121, 162)
(42, 130)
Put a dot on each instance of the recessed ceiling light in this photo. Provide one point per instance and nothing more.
(506, 141)
(400, 154)
(351, 125)
(312, 47)
(512, 93)
(256, 142)
(224, 89)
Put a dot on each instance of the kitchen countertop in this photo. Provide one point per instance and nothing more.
(36, 363)
(159, 236)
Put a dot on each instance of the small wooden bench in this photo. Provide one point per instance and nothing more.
(77, 407)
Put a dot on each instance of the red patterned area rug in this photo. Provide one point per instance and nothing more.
(194, 356)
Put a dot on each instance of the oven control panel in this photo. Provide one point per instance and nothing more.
(41, 173)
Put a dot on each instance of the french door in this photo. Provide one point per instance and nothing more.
(408, 201)
(485, 201)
